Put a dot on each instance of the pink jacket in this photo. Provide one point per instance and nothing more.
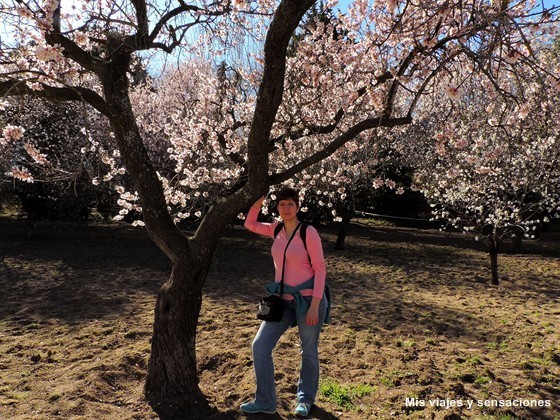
(297, 269)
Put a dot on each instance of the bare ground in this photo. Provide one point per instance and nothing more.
(413, 318)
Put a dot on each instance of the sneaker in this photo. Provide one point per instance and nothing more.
(302, 409)
(254, 408)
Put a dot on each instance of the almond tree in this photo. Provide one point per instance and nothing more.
(490, 166)
(285, 113)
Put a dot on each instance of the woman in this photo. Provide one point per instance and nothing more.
(304, 273)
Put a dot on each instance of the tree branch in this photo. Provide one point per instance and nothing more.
(141, 17)
(145, 40)
(20, 88)
(286, 19)
(329, 128)
(344, 138)
(74, 52)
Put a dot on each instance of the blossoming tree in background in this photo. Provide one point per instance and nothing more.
(50, 164)
(265, 118)
(491, 166)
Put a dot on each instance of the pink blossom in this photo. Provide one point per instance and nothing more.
(453, 173)
(12, 132)
(35, 154)
(377, 183)
(453, 92)
(24, 12)
(48, 53)
(440, 149)
(483, 170)
(81, 38)
(390, 183)
(512, 56)
(238, 4)
(22, 174)
(524, 111)
(392, 5)
(460, 143)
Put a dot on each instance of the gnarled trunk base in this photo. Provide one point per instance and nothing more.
(172, 383)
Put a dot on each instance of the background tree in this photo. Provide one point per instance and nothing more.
(490, 166)
(299, 110)
(51, 164)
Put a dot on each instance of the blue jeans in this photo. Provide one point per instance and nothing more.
(268, 335)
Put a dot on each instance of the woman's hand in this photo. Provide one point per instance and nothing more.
(258, 203)
(312, 317)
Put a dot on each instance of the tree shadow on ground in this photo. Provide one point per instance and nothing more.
(546, 245)
(392, 292)
(75, 273)
(361, 299)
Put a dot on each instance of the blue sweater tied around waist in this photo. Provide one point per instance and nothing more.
(301, 304)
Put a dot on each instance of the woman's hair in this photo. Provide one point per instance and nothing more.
(288, 194)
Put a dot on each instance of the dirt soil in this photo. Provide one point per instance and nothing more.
(417, 331)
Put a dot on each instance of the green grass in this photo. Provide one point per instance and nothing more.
(503, 346)
(344, 395)
(405, 343)
(482, 380)
(475, 361)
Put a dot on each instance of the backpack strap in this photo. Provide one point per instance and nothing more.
(302, 234)
(278, 228)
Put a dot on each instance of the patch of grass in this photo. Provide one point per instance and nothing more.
(502, 346)
(553, 356)
(475, 361)
(539, 361)
(482, 380)
(344, 395)
(391, 380)
(372, 339)
(16, 395)
(405, 343)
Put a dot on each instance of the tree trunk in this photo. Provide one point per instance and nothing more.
(172, 382)
(516, 242)
(493, 248)
(340, 240)
(516, 233)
